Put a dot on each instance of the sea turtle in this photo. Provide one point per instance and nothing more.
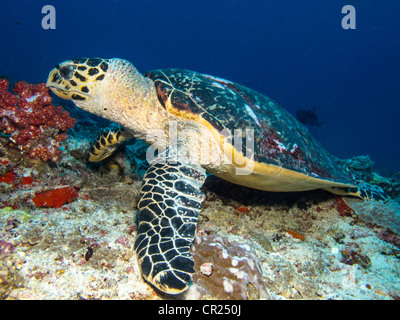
(195, 123)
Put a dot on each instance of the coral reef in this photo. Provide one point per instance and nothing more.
(67, 228)
(343, 209)
(383, 214)
(362, 169)
(361, 166)
(84, 249)
(225, 270)
(353, 255)
(30, 123)
(8, 279)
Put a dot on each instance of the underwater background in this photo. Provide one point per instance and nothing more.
(68, 225)
(295, 52)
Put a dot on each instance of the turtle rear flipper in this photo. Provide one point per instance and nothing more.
(107, 142)
(363, 191)
(169, 205)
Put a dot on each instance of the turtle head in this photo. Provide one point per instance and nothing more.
(78, 79)
(108, 88)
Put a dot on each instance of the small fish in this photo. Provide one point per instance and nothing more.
(18, 23)
(308, 118)
(89, 253)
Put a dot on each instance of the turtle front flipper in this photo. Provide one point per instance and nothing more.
(169, 205)
(107, 142)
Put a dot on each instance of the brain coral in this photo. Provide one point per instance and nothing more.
(225, 270)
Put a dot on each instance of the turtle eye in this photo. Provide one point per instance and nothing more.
(66, 72)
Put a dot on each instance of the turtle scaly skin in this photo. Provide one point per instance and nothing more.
(195, 123)
(169, 205)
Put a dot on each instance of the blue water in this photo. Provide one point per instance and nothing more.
(296, 52)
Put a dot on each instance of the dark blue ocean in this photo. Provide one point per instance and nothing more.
(296, 52)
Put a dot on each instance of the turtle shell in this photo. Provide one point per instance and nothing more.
(280, 141)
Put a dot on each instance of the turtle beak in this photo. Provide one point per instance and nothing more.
(57, 84)
(59, 80)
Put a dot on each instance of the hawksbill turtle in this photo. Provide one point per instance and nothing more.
(195, 123)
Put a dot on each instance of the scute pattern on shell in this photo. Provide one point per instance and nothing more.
(279, 139)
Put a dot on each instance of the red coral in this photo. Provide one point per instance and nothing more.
(4, 162)
(22, 89)
(24, 136)
(32, 123)
(61, 137)
(390, 237)
(8, 100)
(46, 153)
(27, 181)
(19, 117)
(3, 85)
(296, 235)
(55, 198)
(343, 208)
(8, 178)
(243, 209)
